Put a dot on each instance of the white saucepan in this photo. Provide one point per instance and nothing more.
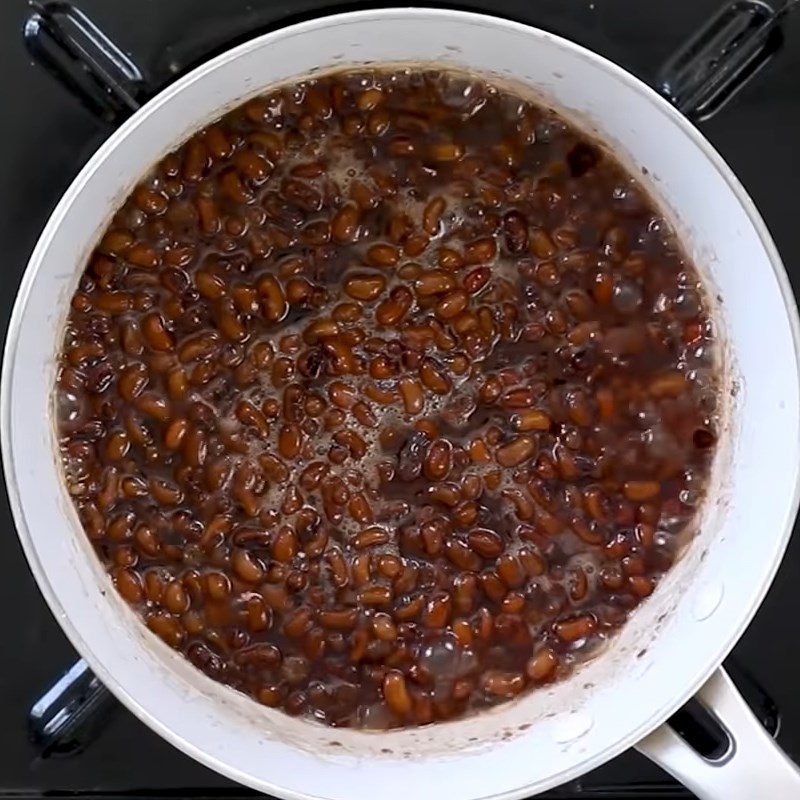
(672, 646)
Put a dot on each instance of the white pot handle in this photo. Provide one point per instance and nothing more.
(754, 767)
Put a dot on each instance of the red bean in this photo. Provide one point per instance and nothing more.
(344, 226)
(273, 298)
(516, 451)
(542, 666)
(503, 684)
(155, 333)
(485, 543)
(396, 693)
(391, 311)
(365, 287)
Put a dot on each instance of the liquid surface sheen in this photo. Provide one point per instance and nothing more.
(387, 397)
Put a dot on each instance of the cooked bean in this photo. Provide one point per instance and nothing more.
(641, 585)
(273, 298)
(434, 377)
(284, 546)
(370, 537)
(166, 627)
(433, 282)
(518, 398)
(480, 252)
(396, 693)
(445, 151)
(151, 405)
(384, 628)
(195, 160)
(155, 333)
(342, 619)
(641, 490)
(432, 214)
(382, 255)
(289, 441)
(175, 433)
(503, 684)
(574, 629)
(485, 543)
(670, 384)
(439, 460)
(510, 571)
(344, 226)
(542, 665)
(375, 595)
(391, 311)
(143, 256)
(466, 513)
(516, 451)
(129, 585)
(449, 259)
(365, 287)
(477, 279)
(531, 420)
(297, 624)
(132, 381)
(452, 304)
(246, 566)
(175, 598)
(462, 556)
(364, 415)
(437, 611)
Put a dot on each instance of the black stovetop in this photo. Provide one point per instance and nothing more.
(45, 137)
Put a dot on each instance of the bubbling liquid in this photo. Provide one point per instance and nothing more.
(387, 397)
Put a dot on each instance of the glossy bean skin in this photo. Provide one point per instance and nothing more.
(387, 397)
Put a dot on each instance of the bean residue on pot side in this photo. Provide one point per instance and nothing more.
(386, 397)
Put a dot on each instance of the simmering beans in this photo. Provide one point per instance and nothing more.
(387, 397)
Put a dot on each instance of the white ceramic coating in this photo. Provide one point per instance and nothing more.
(673, 642)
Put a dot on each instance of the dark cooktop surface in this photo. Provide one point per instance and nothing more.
(46, 136)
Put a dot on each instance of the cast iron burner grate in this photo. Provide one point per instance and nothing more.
(733, 45)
